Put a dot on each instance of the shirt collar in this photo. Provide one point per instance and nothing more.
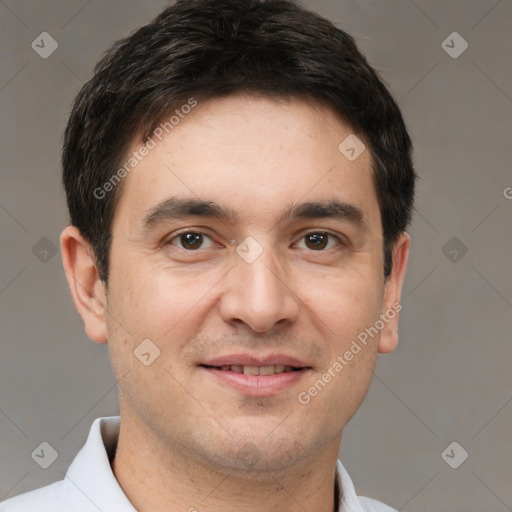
(90, 476)
(90, 473)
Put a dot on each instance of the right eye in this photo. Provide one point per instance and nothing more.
(190, 240)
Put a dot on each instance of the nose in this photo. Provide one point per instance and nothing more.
(258, 294)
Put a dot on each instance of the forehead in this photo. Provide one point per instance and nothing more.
(255, 155)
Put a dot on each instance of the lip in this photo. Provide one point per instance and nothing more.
(257, 385)
(252, 360)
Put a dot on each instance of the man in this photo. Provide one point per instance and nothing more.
(239, 183)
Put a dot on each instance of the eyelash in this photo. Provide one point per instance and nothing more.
(338, 239)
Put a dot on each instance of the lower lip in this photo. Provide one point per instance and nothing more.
(257, 385)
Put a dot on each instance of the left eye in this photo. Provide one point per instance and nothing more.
(318, 241)
(190, 240)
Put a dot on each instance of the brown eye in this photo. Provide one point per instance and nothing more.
(191, 240)
(317, 241)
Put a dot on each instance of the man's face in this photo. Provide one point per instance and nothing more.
(217, 303)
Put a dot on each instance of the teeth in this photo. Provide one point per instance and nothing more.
(251, 370)
(271, 369)
(267, 370)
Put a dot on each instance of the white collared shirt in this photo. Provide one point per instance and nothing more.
(90, 484)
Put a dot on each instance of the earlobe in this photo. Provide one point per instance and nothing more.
(87, 289)
(392, 293)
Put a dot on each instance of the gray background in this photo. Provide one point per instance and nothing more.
(450, 378)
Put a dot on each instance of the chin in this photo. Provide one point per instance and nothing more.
(256, 452)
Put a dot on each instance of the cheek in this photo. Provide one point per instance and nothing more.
(159, 303)
(344, 312)
(346, 304)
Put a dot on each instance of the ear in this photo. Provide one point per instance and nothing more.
(392, 292)
(87, 289)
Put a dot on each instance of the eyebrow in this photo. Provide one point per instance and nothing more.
(176, 208)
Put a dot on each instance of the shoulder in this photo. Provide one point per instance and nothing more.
(88, 482)
(369, 505)
(44, 499)
(350, 501)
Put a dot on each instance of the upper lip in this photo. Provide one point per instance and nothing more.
(253, 360)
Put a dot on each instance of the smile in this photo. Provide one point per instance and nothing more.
(272, 369)
(258, 380)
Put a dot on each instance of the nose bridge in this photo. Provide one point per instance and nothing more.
(257, 293)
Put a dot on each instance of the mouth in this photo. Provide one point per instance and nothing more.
(272, 369)
(256, 377)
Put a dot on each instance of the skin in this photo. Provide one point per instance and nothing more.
(182, 430)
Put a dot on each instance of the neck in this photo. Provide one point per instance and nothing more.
(164, 478)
